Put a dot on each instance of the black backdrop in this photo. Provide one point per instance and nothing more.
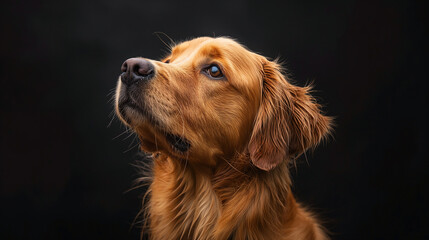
(63, 174)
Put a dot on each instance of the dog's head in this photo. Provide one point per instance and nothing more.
(212, 98)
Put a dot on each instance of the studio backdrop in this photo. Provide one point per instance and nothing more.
(66, 162)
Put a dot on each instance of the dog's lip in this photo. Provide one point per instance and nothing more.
(132, 104)
(127, 102)
(178, 142)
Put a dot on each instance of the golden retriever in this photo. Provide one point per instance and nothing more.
(223, 124)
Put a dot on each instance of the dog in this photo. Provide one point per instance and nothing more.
(224, 125)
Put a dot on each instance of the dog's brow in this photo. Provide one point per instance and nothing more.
(177, 50)
(212, 52)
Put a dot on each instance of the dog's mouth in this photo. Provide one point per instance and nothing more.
(126, 103)
(178, 143)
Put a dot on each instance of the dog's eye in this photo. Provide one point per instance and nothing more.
(214, 71)
(167, 61)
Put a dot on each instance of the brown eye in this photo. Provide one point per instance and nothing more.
(214, 71)
(167, 61)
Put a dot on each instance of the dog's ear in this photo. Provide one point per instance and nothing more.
(288, 121)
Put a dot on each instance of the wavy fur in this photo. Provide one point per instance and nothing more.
(244, 131)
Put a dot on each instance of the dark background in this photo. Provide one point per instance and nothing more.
(63, 174)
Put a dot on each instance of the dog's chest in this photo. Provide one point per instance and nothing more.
(182, 208)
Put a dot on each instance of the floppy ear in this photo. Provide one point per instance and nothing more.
(288, 121)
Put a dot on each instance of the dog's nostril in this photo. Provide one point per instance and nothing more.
(142, 69)
(124, 67)
(145, 72)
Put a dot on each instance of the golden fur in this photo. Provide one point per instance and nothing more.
(244, 131)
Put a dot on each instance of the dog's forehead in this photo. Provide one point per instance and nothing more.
(209, 47)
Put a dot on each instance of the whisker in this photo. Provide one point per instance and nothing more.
(113, 117)
(129, 149)
(111, 92)
(169, 46)
(129, 135)
(124, 132)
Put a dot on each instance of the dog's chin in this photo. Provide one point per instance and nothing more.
(131, 114)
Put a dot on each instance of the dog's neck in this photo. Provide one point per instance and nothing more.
(247, 194)
(234, 201)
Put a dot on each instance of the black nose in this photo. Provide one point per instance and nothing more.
(135, 70)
